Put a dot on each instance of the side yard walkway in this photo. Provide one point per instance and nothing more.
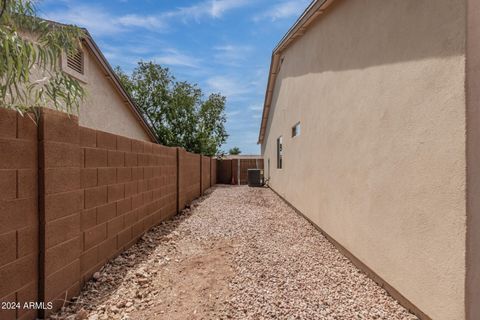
(238, 253)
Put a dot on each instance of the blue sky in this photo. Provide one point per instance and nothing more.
(222, 45)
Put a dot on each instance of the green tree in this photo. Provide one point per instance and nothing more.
(234, 151)
(211, 133)
(183, 116)
(30, 49)
(176, 110)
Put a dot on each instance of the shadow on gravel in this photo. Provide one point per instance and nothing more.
(109, 278)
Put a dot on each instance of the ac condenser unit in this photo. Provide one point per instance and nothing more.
(255, 177)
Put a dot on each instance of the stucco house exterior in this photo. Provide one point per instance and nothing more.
(371, 130)
(107, 106)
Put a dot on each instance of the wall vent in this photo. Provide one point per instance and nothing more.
(75, 62)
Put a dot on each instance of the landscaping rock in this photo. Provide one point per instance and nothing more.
(236, 253)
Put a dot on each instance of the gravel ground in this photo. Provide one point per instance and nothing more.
(237, 253)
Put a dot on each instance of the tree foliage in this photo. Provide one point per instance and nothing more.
(177, 110)
(234, 151)
(212, 118)
(30, 49)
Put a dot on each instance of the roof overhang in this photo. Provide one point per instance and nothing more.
(312, 13)
(112, 76)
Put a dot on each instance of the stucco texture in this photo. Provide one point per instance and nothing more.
(473, 159)
(378, 87)
(104, 108)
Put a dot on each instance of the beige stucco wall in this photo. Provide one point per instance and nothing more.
(378, 87)
(104, 108)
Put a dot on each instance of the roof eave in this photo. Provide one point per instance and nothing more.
(311, 13)
(114, 78)
(110, 73)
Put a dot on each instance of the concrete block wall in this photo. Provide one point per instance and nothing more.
(129, 186)
(60, 206)
(71, 198)
(18, 214)
(189, 177)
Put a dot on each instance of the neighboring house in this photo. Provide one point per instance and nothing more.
(371, 129)
(241, 156)
(107, 106)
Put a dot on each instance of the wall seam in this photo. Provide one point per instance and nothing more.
(472, 150)
(201, 175)
(178, 180)
(467, 180)
(41, 211)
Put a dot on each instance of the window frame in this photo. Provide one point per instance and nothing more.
(280, 152)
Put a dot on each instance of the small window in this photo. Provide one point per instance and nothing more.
(75, 62)
(279, 153)
(296, 130)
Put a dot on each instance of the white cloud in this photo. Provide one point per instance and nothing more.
(231, 114)
(173, 57)
(147, 22)
(99, 21)
(259, 80)
(228, 86)
(208, 8)
(244, 138)
(219, 7)
(95, 19)
(128, 54)
(285, 9)
(232, 55)
(256, 107)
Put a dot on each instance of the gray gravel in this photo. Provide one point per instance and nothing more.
(238, 253)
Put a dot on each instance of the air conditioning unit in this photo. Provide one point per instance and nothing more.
(255, 177)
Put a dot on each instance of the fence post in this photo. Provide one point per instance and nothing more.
(41, 213)
(201, 175)
(232, 162)
(18, 213)
(60, 206)
(238, 171)
(178, 179)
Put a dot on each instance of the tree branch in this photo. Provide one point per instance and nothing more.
(4, 7)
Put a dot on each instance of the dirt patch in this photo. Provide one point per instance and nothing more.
(195, 287)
